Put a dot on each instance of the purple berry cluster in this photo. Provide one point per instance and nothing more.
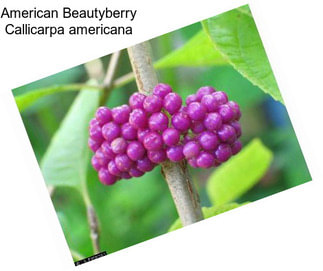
(130, 140)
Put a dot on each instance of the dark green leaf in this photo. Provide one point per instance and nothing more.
(235, 35)
(239, 174)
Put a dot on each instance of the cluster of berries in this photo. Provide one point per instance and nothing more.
(130, 140)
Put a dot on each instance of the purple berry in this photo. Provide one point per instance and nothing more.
(197, 127)
(138, 119)
(223, 152)
(123, 162)
(158, 121)
(153, 141)
(93, 122)
(157, 157)
(237, 127)
(171, 136)
(135, 172)
(196, 111)
(107, 150)
(135, 150)
(93, 144)
(175, 153)
(226, 112)
(213, 121)
(208, 140)
(141, 133)
(191, 98)
(236, 147)
(119, 145)
(172, 102)
(193, 162)
(111, 131)
(153, 104)
(209, 102)
(95, 163)
(121, 114)
(205, 160)
(191, 149)
(103, 115)
(128, 131)
(226, 132)
(181, 121)
(220, 96)
(236, 109)
(204, 91)
(161, 90)
(125, 175)
(113, 169)
(145, 165)
(106, 178)
(96, 133)
(136, 100)
(102, 158)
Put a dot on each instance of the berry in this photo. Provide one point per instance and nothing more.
(135, 172)
(208, 140)
(141, 133)
(191, 98)
(197, 127)
(135, 150)
(212, 121)
(193, 162)
(136, 100)
(175, 153)
(157, 156)
(236, 109)
(226, 112)
(226, 132)
(158, 121)
(237, 127)
(153, 141)
(107, 150)
(103, 115)
(191, 149)
(153, 104)
(119, 145)
(172, 102)
(123, 162)
(161, 90)
(220, 96)
(128, 132)
(113, 169)
(236, 147)
(106, 178)
(121, 114)
(138, 119)
(205, 160)
(95, 163)
(223, 152)
(196, 111)
(93, 144)
(125, 175)
(96, 133)
(145, 165)
(101, 157)
(111, 131)
(209, 102)
(204, 91)
(181, 121)
(171, 136)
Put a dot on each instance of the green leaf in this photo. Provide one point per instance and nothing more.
(65, 161)
(239, 174)
(209, 212)
(27, 99)
(198, 51)
(235, 35)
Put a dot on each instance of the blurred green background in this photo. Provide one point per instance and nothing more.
(136, 210)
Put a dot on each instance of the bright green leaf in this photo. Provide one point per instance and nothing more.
(198, 51)
(65, 161)
(27, 99)
(235, 35)
(239, 174)
(209, 212)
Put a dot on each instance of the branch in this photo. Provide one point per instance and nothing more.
(185, 196)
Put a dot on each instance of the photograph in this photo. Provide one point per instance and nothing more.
(162, 134)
